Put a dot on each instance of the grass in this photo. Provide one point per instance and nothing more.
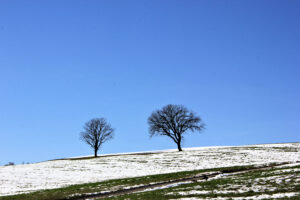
(62, 193)
(247, 179)
(211, 186)
(222, 187)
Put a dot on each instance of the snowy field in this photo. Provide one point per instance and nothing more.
(256, 185)
(54, 174)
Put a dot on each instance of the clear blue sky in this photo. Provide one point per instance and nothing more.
(235, 63)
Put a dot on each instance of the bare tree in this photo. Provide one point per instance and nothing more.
(96, 132)
(173, 121)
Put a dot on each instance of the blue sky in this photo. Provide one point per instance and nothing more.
(235, 63)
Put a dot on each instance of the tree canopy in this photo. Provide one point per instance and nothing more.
(96, 132)
(174, 121)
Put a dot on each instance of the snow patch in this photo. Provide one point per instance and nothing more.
(59, 173)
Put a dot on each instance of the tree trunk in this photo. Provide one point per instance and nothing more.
(95, 152)
(179, 146)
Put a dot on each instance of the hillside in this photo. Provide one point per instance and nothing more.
(60, 173)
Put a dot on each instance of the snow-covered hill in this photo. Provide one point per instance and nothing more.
(54, 174)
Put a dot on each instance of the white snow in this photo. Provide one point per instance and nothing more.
(54, 174)
(261, 184)
(257, 197)
(166, 186)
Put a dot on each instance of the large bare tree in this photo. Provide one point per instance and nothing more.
(174, 121)
(96, 132)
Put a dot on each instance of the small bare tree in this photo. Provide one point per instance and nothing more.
(96, 132)
(173, 121)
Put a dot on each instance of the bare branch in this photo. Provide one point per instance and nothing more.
(174, 121)
(96, 132)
